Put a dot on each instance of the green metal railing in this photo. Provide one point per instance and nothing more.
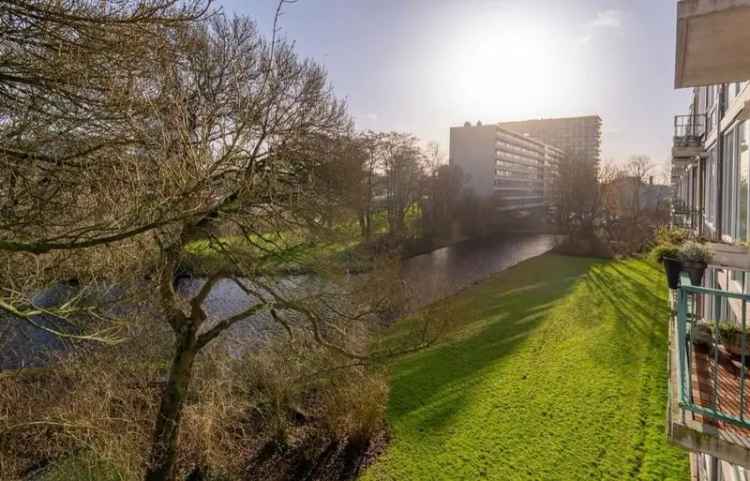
(691, 300)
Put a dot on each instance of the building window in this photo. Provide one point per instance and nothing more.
(729, 186)
(736, 170)
(743, 162)
(710, 188)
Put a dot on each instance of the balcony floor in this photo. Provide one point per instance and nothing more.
(704, 434)
(726, 372)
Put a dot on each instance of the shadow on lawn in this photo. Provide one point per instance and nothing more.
(433, 386)
(629, 289)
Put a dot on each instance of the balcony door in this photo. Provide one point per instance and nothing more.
(734, 198)
(744, 178)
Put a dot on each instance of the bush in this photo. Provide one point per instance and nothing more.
(302, 389)
(731, 332)
(87, 418)
(585, 246)
(91, 416)
(354, 410)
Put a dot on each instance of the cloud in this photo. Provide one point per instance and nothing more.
(608, 19)
(371, 116)
(612, 20)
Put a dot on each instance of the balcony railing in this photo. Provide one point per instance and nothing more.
(686, 218)
(689, 129)
(712, 356)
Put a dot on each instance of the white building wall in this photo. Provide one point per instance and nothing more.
(473, 150)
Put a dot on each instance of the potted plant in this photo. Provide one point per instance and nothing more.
(667, 255)
(730, 335)
(702, 333)
(672, 235)
(695, 258)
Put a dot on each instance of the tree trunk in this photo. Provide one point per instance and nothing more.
(164, 443)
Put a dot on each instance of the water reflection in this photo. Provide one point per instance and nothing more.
(448, 270)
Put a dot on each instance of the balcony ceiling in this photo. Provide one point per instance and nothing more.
(713, 42)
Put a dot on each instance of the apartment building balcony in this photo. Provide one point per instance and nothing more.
(713, 42)
(688, 137)
(686, 218)
(709, 406)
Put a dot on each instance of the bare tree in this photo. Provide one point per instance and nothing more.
(441, 199)
(217, 127)
(640, 167)
(579, 197)
(371, 158)
(403, 163)
(73, 77)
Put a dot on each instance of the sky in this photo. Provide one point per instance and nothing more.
(423, 66)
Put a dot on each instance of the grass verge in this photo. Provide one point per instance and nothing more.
(554, 369)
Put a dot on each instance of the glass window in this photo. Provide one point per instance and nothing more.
(728, 181)
(744, 172)
(710, 187)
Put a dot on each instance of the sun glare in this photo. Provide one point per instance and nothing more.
(504, 70)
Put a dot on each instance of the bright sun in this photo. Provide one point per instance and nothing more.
(504, 70)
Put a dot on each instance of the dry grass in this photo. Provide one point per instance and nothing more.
(301, 386)
(91, 417)
(87, 409)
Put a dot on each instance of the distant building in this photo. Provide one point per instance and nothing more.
(626, 196)
(516, 171)
(579, 137)
(552, 159)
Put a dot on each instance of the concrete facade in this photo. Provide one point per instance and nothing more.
(713, 42)
(516, 171)
(578, 137)
(473, 149)
(552, 159)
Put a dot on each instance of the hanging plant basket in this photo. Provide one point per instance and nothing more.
(695, 258)
(695, 270)
(672, 268)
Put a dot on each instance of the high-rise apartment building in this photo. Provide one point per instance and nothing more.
(516, 171)
(579, 137)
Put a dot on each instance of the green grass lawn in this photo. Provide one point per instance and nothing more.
(553, 370)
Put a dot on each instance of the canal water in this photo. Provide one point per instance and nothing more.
(427, 278)
(446, 271)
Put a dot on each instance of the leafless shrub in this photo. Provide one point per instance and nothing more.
(94, 410)
(316, 391)
(353, 407)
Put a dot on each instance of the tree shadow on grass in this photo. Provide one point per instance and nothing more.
(631, 294)
(429, 389)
